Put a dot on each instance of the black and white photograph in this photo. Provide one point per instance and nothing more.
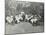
(24, 17)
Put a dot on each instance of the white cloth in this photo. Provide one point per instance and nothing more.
(26, 17)
(17, 18)
(34, 20)
(20, 16)
(9, 19)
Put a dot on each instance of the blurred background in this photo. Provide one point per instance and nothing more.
(13, 7)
